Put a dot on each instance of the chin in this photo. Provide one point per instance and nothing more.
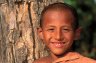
(59, 53)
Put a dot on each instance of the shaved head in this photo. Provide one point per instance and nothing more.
(60, 7)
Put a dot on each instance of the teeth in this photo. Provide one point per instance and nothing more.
(58, 44)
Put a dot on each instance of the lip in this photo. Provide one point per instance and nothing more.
(58, 44)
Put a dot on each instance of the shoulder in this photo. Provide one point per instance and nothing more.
(84, 59)
(41, 60)
(88, 60)
(77, 57)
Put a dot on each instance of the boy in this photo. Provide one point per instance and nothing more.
(58, 30)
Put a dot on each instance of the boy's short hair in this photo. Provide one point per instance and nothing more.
(60, 6)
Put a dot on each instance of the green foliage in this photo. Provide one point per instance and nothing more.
(87, 19)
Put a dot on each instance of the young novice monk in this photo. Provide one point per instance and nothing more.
(58, 30)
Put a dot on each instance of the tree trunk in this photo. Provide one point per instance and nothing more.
(19, 42)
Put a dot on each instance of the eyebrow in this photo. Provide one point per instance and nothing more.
(61, 26)
(50, 25)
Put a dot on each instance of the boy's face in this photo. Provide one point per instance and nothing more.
(57, 31)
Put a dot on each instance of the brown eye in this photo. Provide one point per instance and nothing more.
(66, 30)
(50, 30)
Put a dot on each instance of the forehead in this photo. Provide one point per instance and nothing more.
(61, 15)
(58, 18)
(64, 12)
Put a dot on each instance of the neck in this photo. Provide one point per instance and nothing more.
(55, 57)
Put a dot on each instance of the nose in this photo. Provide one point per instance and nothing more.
(59, 35)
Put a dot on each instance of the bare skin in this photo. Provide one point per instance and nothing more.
(46, 59)
(57, 33)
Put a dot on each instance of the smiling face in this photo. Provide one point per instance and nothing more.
(57, 31)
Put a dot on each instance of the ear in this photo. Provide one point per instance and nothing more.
(77, 33)
(39, 31)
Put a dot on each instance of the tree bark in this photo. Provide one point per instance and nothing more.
(19, 42)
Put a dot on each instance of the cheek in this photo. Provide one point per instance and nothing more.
(69, 40)
(70, 37)
(46, 37)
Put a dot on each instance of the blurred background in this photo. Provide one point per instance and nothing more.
(19, 42)
(86, 9)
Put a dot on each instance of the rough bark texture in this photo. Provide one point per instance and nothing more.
(19, 42)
